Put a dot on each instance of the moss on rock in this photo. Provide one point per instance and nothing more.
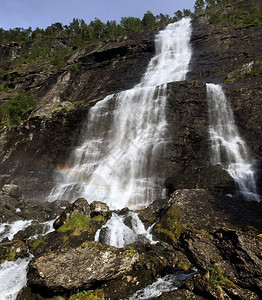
(170, 226)
(88, 295)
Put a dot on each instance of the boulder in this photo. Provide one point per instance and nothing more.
(82, 267)
(80, 206)
(12, 250)
(11, 190)
(100, 208)
(206, 210)
(74, 227)
(227, 255)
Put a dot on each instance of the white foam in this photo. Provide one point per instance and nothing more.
(8, 230)
(116, 233)
(13, 277)
(167, 283)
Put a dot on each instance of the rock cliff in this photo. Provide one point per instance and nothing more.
(201, 224)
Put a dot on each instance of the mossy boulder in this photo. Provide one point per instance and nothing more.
(73, 228)
(12, 250)
(170, 226)
(80, 206)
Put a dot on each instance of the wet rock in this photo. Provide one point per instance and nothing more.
(180, 294)
(8, 209)
(11, 190)
(33, 231)
(73, 229)
(100, 208)
(81, 267)
(42, 211)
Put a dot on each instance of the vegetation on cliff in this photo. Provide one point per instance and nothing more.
(12, 110)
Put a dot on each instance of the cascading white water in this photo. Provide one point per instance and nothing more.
(13, 277)
(116, 233)
(126, 131)
(13, 273)
(164, 284)
(8, 230)
(228, 148)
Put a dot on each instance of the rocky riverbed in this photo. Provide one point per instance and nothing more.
(216, 239)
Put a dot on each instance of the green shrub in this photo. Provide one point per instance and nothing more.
(59, 55)
(216, 277)
(12, 110)
(215, 18)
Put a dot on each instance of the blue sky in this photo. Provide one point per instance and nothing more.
(42, 13)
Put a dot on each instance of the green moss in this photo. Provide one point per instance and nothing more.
(88, 295)
(245, 75)
(259, 235)
(184, 265)
(206, 234)
(131, 252)
(170, 226)
(76, 103)
(99, 219)
(74, 68)
(83, 244)
(216, 277)
(76, 223)
(37, 243)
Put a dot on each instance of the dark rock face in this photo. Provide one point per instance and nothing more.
(186, 163)
(30, 152)
(230, 55)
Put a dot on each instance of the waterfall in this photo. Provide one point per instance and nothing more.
(126, 133)
(228, 148)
